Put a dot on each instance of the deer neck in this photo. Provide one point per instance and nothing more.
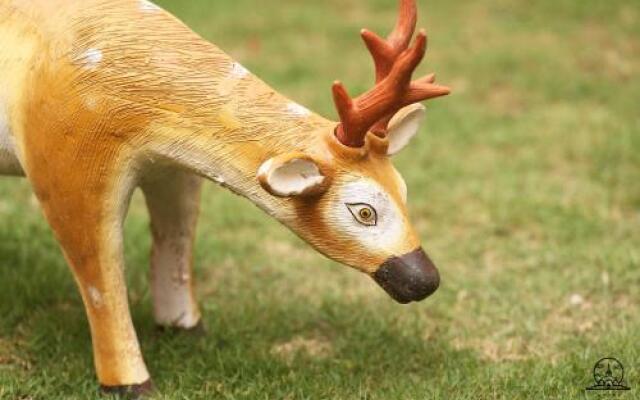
(245, 124)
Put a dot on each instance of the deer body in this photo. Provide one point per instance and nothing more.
(102, 96)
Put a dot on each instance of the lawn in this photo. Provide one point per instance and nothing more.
(524, 184)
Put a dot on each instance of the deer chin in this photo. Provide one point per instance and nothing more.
(411, 277)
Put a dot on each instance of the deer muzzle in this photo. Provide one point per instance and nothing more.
(411, 277)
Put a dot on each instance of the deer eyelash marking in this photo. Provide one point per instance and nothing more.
(363, 213)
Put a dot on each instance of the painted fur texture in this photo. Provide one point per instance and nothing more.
(99, 97)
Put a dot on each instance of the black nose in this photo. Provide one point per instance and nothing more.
(411, 277)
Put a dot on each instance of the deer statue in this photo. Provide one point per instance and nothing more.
(100, 97)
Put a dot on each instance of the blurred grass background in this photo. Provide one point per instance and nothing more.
(525, 185)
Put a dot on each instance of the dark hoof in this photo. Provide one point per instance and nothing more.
(129, 391)
(196, 330)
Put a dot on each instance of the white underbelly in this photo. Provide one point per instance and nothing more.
(9, 163)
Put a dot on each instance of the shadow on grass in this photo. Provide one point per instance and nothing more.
(237, 356)
(367, 350)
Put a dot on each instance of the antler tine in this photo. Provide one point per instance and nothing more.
(405, 25)
(416, 91)
(384, 52)
(431, 78)
(344, 104)
(409, 60)
(420, 89)
(395, 62)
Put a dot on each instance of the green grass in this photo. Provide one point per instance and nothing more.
(525, 185)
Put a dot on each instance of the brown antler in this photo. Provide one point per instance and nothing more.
(395, 63)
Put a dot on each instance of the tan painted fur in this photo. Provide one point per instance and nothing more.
(102, 96)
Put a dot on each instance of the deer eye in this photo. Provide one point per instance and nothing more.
(363, 213)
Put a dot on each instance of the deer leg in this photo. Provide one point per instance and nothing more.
(173, 202)
(86, 214)
(84, 188)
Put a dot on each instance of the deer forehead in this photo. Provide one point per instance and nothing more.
(375, 174)
(367, 191)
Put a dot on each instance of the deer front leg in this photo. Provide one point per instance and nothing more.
(174, 203)
(85, 207)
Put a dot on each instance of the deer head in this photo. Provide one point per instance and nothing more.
(344, 195)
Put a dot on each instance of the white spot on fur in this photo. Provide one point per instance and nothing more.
(146, 5)
(297, 109)
(90, 102)
(218, 179)
(91, 58)
(229, 83)
(239, 71)
(95, 297)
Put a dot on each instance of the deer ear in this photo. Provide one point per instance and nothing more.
(404, 126)
(292, 174)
